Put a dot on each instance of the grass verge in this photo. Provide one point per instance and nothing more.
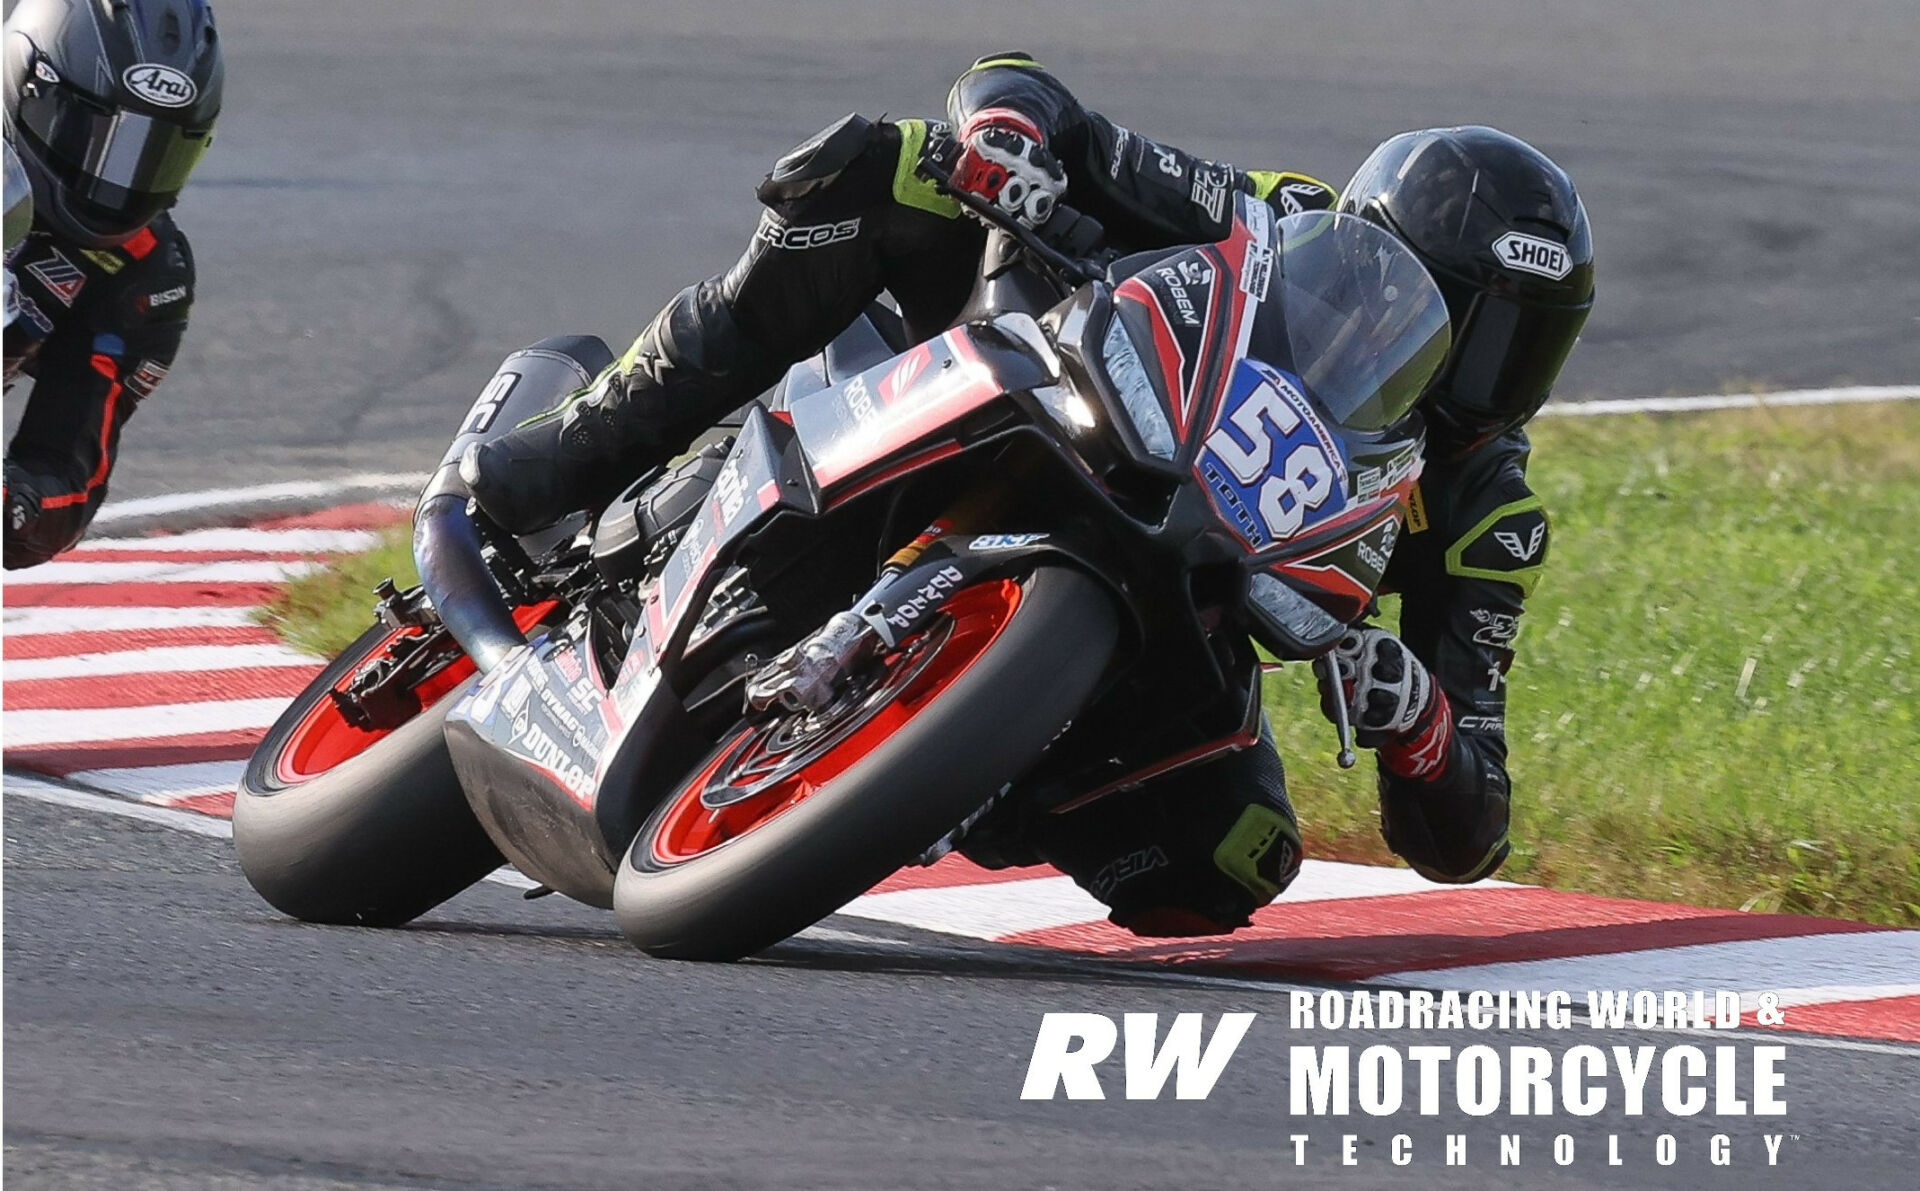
(1715, 695)
(1714, 699)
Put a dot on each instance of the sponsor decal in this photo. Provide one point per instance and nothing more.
(1496, 724)
(33, 313)
(1004, 541)
(1371, 557)
(1120, 138)
(584, 695)
(1497, 629)
(546, 752)
(161, 86)
(1183, 305)
(1296, 197)
(486, 407)
(146, 377)
(1531, 254)
(1210, 190)
(904, 374)
(514, 704)
(730, 490)
(860, 401)
(103, 260)
(1522, 550)
(814, 235)
(931, 595)
(166, 297)
(1124, 868)
(1268, 452)
(63, 279)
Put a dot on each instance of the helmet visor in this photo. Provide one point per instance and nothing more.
(1506, 358)
(119, 168)
(1365, 325)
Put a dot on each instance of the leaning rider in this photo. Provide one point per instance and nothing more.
(108, 108)
(850, 214)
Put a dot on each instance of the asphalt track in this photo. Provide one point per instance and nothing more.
(403, 192)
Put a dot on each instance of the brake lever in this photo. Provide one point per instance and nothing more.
(1073, 271)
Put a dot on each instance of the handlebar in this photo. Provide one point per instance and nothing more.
(1051, 260)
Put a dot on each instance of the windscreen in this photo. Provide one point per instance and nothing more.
(1364, 325)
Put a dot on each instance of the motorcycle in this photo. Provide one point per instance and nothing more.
(1027, 561)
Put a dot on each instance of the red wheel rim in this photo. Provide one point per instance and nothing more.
(786, 767)
(324, 738)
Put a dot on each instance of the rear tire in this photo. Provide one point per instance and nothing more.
(966, 739)
(377, 839)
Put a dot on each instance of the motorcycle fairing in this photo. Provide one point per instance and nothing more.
(1199, 308)
(868, 420)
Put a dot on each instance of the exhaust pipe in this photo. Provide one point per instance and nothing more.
(446, 543)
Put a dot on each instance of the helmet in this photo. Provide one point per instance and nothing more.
(1503, 233)
(110, 103)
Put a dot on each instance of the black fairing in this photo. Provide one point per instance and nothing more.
(1476, 205)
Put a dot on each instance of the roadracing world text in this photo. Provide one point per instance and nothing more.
(1570, 1065)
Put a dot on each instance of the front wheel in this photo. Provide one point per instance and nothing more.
(791, 818)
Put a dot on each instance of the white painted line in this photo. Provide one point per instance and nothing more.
(983, 911)
(1676, 405)
(24, 622)
(1855, 966)
(165, 781)
(161, 660)
(998, 909)
(72, 726)
(60, 573)
(397, 482)
(79, 800)
(242, 541)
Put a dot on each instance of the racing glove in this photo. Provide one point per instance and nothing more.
(1393, 703)
(1004, 159)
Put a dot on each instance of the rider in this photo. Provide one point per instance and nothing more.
(849, 213)
(108, 108)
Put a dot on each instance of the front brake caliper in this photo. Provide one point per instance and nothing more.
(808, 676)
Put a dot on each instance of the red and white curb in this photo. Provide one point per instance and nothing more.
(133, 668)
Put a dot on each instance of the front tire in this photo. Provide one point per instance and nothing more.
(339, 826)
(1001, 671)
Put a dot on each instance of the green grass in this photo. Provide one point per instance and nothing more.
(1715, 697)
(1715, 694)
(322, 612)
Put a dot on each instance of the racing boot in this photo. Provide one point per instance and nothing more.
(688, 369)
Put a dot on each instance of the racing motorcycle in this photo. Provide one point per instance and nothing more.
(1027, 561)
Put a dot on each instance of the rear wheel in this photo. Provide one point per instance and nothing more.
(792, 817)
(335, 823)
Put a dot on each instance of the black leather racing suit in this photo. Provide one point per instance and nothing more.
(97, 331)
(847, 217)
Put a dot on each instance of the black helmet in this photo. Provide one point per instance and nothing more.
(110, 103)
(1500, 228)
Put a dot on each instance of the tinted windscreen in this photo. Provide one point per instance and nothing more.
(1365, 327)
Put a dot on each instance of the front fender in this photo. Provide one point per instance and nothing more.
(900, 604)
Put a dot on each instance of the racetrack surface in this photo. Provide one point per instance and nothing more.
(400, 194)
(138, 962)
